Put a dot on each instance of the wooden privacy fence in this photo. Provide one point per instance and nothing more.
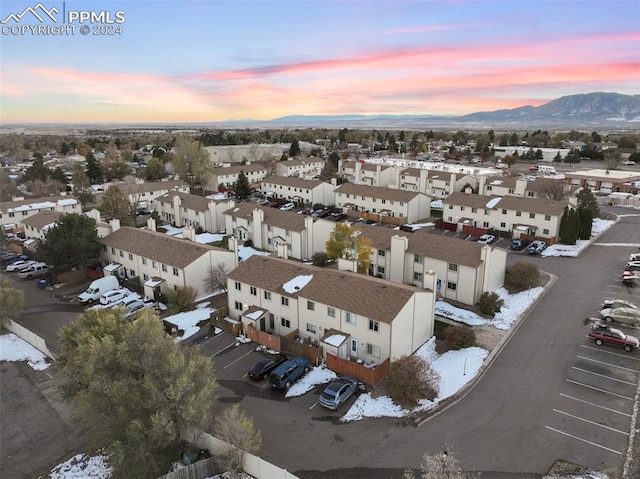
(270, 341)
(369, 376)
(199, 470)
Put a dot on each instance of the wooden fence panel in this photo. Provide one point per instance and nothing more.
(369, 376)
(270, 341)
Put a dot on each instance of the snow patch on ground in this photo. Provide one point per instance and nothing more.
(599, 226)
(12, 348)
(317, 375)
(82, 466)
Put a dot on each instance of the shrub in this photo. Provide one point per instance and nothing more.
(319, 259)
(248, 243)
(459, 337)
(411, 378)
(490, 303)
(181, 299)
(522, 275)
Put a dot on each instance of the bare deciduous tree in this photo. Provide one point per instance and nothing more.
(612, 159)
(443, 465)
(237, 429)
(216, 278)
(552, 189)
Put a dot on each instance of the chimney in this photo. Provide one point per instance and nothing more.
(189, 233)
(282, 250)
(233, 246)
(93, 213)
(177, 213)
(115, 225)
(151, 224)
(347, 265)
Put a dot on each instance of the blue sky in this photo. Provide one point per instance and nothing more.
(198, 61)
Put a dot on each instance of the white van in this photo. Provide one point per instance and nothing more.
(547, 169)
(98, 287)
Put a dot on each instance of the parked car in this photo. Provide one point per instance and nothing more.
(634, 257)
(617, 303)
(126, 301)
(533, 168)
(263, 367)
(630, 279)
(537, 247)
(486, 239)
(114, 295)
(632, 266)
(19, 265)
(614, 337)
(622, 315)
(287, 207)
(288, 372)
(36, 270)
(518, 244)
(338, 391)
(629, 163)
(338, 216)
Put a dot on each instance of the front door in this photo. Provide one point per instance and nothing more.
(262, 324)
(354, 348)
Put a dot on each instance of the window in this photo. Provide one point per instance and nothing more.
(154, 265)
(450, 207)
(164, 268)
(144, 260)
(452, 286)
(510, 191)
(545, 232)
(530, 194)
(121, 254)
(503, 225)
(253, 291)
(381, 252)
(380, 269)
(113, 250)
(285, 323)
(547, 217)
(374, 326)
(311, 328)
(417, 258)
(417, 276)
(373, 350)
(474, 210)
(238, 305)
(504, 212)
(532, 215)
(311, 306)
(267, 295)
(351, 318)
(175, 271)
(453, 267)
(331, 312)
(485, 224)
(518, 213)
(462, 208)
(130, 257)
(237, 286)
(284, 301)
(145, 277)
(486, 211)
(132, 273)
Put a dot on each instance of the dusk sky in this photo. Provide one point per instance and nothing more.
(207, 61)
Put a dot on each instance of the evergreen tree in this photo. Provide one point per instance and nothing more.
(94, 170)
(572, 226)
(586, 199)
(241, 187)
(294, 150)
(586, 223)
(564, 221)
(72, 241)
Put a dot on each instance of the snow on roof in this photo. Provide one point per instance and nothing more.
(493, 202)
(255, 315)
(29, 241)
(153, 282)
(188, 322)
(297, 283)
(111, 267)
(522, 228)
(43, 205)
(335, 340)
(496, 182)
(209, 238)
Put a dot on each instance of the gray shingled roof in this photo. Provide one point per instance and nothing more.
(377, 192)
(189, 201)
(452, 250)
(360, 294)
(156, 246)
(147, 187)
(234, 170)
(513, 203)
(272, 216)
(291, 181)
(42, 219)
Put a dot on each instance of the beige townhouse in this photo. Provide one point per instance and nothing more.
(158, 261)
(13, 213)
(184, 209)
(144, 194)
(377, 318)
(436, 184)
(298, 190)
(533, 187)
(383, 204)
(223, 178)
(514, 216)
(361, 173)
(300, 167)
(465, 269)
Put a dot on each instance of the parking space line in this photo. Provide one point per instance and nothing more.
(233, 362)
(604, 376)
(627, 356)
(232, 345)
(211, 339)
(609, 364)
(595, 405)
(313, 405)
(591, 422)
(600, 390)
(584, 440)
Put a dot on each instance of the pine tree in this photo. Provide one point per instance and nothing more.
(586, 223)
(241, 187)
(94, 170)
(294, 150)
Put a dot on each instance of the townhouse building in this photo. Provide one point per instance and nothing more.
(13, 213)
(362, 173)
(437, 184)
(184, 209)
(158, 261)
(301, 168)
(223, 178)
(378, 319)
(236, 154)
(288, 234)
(464, 269)
(531, 187)
(513, 216)
(383, 204)
(298, 190)
(144, 194)
(36, 226)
